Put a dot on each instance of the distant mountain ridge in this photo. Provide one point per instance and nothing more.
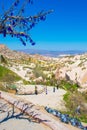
(52, 53)
(4, 50)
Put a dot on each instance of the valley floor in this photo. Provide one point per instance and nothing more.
(21, 121)
(51, 99)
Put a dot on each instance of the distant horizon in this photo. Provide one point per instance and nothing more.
(50, 50)
(54, 53)
(49, 53)
(34, 48)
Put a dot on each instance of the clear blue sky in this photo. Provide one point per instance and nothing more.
(64, 29)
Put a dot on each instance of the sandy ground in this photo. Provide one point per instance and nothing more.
(51, 99)
(17, 124)
(12, 119)
(15, 120)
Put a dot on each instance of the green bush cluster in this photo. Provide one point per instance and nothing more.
(38, 72)
(68, 86)
(73, 99)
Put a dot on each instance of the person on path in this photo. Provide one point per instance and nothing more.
(46, 90)
(78, 109)
(36, 90)
(0, 94)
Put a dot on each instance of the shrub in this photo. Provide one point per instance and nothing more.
(73, 100)
(7, 75)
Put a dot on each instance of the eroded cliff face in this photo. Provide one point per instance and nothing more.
(73, 69)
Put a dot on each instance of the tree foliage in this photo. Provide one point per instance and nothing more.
(13, 21)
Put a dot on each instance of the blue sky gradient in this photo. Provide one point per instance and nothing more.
(64, 29)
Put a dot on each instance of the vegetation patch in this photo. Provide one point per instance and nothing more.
(7, 75)
(73, 99)
(7, 79)
(68, 86)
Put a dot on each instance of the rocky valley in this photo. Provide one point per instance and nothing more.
(41, 69)
(39, 78)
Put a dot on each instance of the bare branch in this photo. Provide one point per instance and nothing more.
(17, 25)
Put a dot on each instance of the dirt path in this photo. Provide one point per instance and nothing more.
(51, 99)
(16, 119)
(37, 113)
